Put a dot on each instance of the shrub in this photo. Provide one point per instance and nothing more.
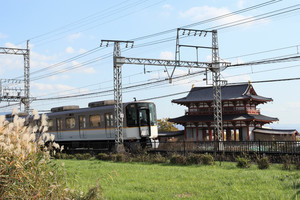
(242, 162)
(83, 156)
(207, 159)
(103, 156)
(119, 157)
(263, 163)
(286, 162)
(297, 164)
(193, 159)
(158, 158)
(177, 159)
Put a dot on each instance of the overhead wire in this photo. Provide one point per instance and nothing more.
(159, 41)
(171, 38)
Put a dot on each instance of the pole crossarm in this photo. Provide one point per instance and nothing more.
(162, 62)
(14, 51)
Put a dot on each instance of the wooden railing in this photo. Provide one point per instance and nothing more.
(226, 110)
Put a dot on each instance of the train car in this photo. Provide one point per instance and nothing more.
(93, 127)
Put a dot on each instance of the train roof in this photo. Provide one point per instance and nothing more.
(92, 106)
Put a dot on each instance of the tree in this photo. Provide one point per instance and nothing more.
(165, 126)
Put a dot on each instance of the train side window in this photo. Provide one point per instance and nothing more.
(59, 125)
(95, 120)
(82, 122)
(70, 122)
(50, 124)
(109, 120)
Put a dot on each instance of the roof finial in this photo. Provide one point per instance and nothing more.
(249, 82)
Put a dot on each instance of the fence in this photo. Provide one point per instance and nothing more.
(268, 147)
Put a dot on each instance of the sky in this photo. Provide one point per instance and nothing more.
(66, 58)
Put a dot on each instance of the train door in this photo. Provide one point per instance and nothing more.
(59, 127)
(109, 125)
(82, 126)
(144, 122)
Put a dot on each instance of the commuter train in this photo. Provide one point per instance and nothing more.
(94, 128)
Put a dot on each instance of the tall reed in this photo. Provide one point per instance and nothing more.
(26, 170)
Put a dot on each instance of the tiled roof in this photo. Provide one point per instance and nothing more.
(233, 92)
(275, 131)
(231, 117)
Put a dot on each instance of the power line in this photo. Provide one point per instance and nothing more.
(106, 22)
(210, 19)
(158, 41)
(237, 83)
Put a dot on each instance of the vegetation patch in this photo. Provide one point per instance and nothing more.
(156, 181)
(263, 163)
(208, 159)
(242, 162)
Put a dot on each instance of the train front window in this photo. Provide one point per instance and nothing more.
(142, 114)
(152, 110)
(131, 115)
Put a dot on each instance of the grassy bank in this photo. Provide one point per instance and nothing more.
(161, 181)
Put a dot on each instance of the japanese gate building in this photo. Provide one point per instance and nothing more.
(240, 113)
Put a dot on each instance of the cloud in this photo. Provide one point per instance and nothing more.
(38, 60)
(74, 36)
(167, 7)
(69, 50)
(236, 78)
(82, 68)
(42, 89)
(166, 10)
(82, 51)
(207, 12)
(11, 45)
(3, 36)
(55, 77)
(294, 105)
(241, 4)
(166, 55)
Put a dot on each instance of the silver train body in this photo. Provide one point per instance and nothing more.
(94, 127)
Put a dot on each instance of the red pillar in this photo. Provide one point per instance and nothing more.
(203, 134)
(248, 135)
(228, 134)
(223, 135)
(185, 133)
(210, 134)
(234, 132)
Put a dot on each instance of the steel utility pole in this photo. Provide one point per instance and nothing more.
(118, 108)
(217, 84)
(215, 67)
(26, 98)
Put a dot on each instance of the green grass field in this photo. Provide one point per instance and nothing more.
(161, 181)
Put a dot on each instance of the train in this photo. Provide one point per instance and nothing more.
(93, 127)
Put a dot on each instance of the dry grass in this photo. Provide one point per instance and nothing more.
(26, 170)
